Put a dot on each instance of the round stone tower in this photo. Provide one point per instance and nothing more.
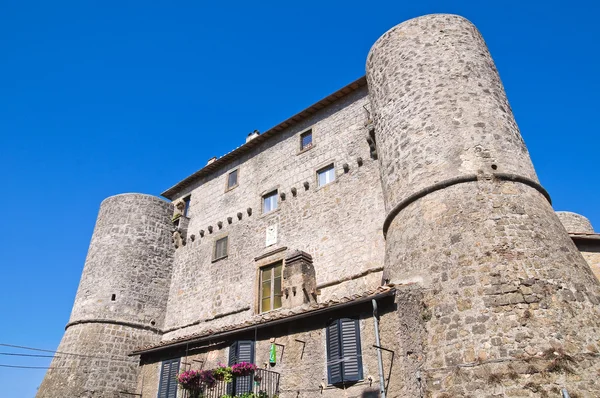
(120, 303)
(493, 296)
(575, 223)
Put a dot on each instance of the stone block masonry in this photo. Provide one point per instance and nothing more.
(432, 190)
(502, 282)
(120, 302)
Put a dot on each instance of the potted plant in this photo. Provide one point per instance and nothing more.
(190, 380)
(223, 373)
(243, 369)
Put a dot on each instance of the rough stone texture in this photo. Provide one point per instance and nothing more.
(574, 223)
(590, 250)
(433, 83)
(492, 296)
(502, 282)
(92, 361)
(129, 257)
(338, 224)
(303, 365)
(299, 282)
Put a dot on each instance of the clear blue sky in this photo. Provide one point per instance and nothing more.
(102, 97)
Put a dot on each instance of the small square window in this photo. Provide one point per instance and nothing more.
(306, 140)
(232, 179)
(270, 287)
(326, 175)
(270, 202)
(220, 248)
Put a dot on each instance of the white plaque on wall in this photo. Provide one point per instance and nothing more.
(271, 235)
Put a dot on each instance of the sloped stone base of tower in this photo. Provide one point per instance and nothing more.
(508, 307)
(92, 361)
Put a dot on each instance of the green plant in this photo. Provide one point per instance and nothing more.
(223, 373)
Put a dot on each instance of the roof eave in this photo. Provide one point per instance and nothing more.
(297, 118)
(273, 322)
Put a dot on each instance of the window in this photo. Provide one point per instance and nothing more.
(326, 175)
(270, 202)
(232, 179)
(241, 351)
(344, 359)
(167, 387)
(220, 248)
(306, 140)
(270, 287)
(186, 205)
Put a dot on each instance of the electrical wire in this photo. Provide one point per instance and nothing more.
(61, 353)
(29, 367)
(27, 355)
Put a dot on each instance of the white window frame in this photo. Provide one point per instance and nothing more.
(272, 199)
(329, 174)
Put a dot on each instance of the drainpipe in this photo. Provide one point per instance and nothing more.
(378, 343)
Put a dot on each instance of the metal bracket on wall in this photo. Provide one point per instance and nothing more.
(303, 346)
(391, 363)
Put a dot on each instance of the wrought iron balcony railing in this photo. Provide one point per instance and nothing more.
(262, 383)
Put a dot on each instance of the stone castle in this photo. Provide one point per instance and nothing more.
(390, 240)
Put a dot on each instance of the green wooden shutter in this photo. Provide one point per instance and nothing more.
(351, 352)
(334, 354)
(167, 387)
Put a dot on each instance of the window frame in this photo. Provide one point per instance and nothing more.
(237, 179)
(304, 148)
(272, 193)
(330, 166)
(344, 379)
(186, 206)
(170, 383)
(217, 240)
(270, 267)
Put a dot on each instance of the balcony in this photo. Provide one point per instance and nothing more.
(263, 384)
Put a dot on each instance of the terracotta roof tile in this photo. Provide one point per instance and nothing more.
(263, 319)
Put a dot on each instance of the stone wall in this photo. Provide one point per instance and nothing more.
(339, 224)
(301, 355)
(92, 361)
(575, 223)
(509, 306)
(129, 257)
(590, 250)
(120, 302)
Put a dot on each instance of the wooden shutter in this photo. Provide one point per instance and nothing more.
(241, 351)
(351, 352)
(344, 359)
(334, 354)
(167, 387)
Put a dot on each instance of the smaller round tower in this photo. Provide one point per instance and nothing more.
(575, 223)
(121, 300)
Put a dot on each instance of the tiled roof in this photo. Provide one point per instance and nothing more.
(271, 318)
(584, 235)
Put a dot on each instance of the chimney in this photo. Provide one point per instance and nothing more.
(252, 135)
(211, 160)
(299, 280)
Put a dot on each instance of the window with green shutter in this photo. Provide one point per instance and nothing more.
(344, 358)
(167, 387)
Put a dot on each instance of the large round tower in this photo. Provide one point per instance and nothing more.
(497, 300)
(120, 303)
